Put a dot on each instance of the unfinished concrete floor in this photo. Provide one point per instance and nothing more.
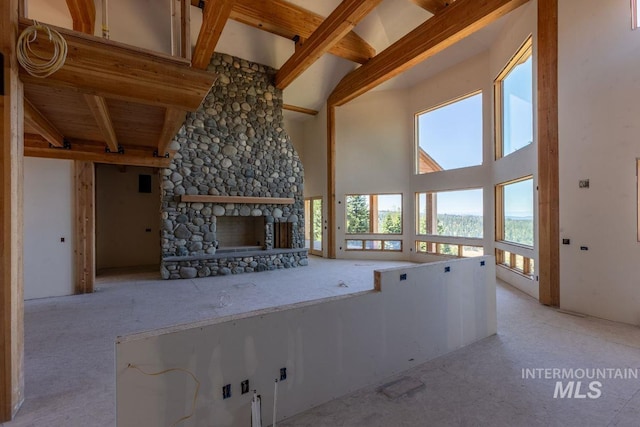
(69, 354)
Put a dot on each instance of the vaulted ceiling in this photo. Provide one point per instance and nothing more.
(110, 94)
(386, 24)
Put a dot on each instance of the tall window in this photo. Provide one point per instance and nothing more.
(514, 212)
(635, 8)
(450, 136)
(450, 213)
(374, 214)
(514, 103)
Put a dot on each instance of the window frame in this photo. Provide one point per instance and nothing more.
(364, 248)
(437, 246)
(373, 207)
(525, 50)
(437, 107)
(508, 259)
(635, 5)
(500, 214)
(440, 236)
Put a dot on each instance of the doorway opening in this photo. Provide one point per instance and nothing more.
(313, 226)
(127, 219)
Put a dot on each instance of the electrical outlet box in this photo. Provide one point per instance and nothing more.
(283, 374)
(482, 263)
(403, 276)
(566, 241)
(226, 391)
(447, 269)
(584, 248)
(583, 183)
(244, 387)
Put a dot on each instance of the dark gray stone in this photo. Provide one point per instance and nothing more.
(188, 272)
(182, 232)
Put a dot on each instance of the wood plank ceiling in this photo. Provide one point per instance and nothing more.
(114, 103)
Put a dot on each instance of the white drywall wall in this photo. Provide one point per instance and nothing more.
(329, 347)
(599, 58)
(141, 23)
(314, 159)
(295, 130)
(123, 216)
(48, 218)
(373, 149)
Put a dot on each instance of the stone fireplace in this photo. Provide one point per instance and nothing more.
(233, 195)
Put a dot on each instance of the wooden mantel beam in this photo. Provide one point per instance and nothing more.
(214, 17)
(433, 6)
(444, 29)
(333, 29)
(83, 14)
(115, 70)
(100, 111)
(290, 21)
(35, 119)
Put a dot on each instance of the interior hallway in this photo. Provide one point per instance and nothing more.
(70, 353)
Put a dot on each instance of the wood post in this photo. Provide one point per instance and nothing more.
(548, 165)
(84, 176)
(11, 214)
(331, 181)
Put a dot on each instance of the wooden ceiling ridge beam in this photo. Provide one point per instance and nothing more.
(333, 29)
(115, 70)
(214, 17)
(100, 112)
(289, 20)
(83, 14)
(433, 6)
(34, 118)
(444, 29)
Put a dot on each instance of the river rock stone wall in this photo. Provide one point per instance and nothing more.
(234, 145)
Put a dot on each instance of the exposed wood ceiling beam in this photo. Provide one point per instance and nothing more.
(100, 111)
(115, 70)
(35, 119)
(93, 151)
(83, 14)
(333, 29)
(214, 17)
(173, 120)
(288, 20)
(456, 22)
(299, 109)
(433, 6)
